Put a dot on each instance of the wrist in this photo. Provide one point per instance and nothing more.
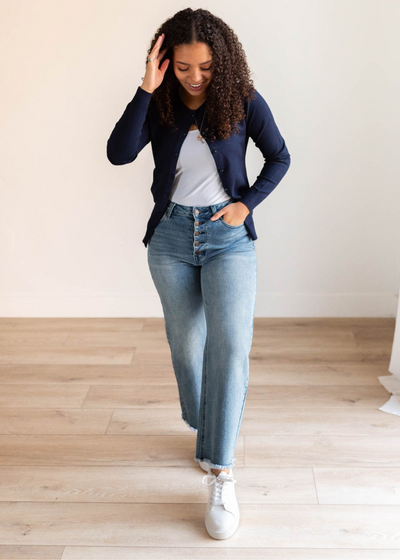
(244, 206)
(143, 87)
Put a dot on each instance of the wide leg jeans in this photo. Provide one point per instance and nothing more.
(205, 273)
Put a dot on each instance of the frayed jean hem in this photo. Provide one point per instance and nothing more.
(188, 425)
(208, 461)
(215, 465)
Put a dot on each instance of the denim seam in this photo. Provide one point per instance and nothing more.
(205, 397)
(241, 411)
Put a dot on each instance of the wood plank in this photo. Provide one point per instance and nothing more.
(272, 525)
(135, 451)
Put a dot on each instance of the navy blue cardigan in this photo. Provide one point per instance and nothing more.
(139, 125)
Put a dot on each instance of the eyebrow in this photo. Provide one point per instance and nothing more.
(186, 64)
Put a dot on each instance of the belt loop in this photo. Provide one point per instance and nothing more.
(225, 203)
(170, 208)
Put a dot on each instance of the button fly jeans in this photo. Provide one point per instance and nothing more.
(205, 273)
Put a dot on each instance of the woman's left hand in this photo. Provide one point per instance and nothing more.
(236, 213)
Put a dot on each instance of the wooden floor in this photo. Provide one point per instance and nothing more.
(96, 462)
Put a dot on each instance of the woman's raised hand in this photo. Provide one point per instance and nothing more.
(155, 75)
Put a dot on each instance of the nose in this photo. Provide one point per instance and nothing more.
(196, 78)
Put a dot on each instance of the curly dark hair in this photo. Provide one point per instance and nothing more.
(230, 85)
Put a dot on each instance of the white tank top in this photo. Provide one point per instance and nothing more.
(197, 181)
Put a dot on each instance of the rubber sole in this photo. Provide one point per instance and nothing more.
(224, 534)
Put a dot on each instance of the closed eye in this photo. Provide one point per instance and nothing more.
(204, 69)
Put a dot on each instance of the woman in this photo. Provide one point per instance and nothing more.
(198, 108)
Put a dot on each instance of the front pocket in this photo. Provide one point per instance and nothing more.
(221, 219)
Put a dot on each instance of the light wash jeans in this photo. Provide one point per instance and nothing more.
(205, 273)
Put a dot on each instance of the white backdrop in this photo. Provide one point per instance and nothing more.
(71, 224)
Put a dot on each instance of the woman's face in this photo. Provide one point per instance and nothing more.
(192, 66)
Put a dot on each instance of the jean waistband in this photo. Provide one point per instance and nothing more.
(190, 210)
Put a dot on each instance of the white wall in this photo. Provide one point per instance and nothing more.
(71, 223)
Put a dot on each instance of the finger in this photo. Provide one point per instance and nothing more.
(157, 45)
(164, 66)
(153, 52)
(161, 55)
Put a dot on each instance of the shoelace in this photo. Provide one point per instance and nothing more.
(218, 492)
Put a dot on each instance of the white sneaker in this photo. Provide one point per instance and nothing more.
(205, 466)
(222, 514)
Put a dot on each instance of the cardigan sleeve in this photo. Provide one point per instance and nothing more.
(261, 127)
(132, 132)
